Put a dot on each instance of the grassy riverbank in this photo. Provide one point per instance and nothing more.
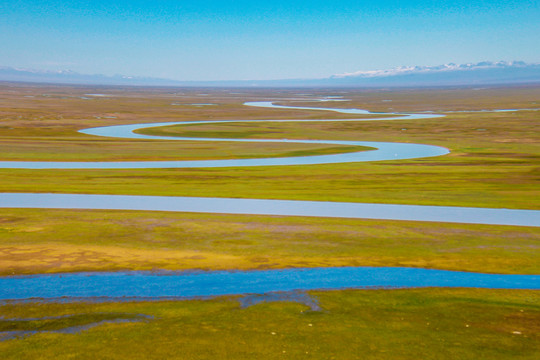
(368, 324)
(495, 158)
(494, 162)
(36, 241)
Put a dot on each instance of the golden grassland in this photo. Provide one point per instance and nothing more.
(50, 241)
(494, 162)
(368, 324)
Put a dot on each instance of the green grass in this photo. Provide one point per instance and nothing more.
(494, 159)
(368, 324)
(21, 145)
(455, 180)
(61, 322)
(36, 241)
(494, 163)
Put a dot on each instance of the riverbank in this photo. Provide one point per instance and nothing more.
(372, 324)
(49, 241)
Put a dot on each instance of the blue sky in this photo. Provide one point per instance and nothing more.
(240, 40)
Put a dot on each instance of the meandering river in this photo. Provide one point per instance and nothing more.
(188, 284)
(383, 150)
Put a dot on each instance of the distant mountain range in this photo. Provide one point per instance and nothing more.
(482, 73)
(71, 77)
(451, 67)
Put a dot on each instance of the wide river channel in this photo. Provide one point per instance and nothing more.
(134, 284)
(196, 284)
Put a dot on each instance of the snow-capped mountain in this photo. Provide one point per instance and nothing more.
(406, 70)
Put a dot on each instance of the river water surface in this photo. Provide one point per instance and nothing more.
(190, 284)
(214, 283)
(453, 214)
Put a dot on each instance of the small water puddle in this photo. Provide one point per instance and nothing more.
(66, 324)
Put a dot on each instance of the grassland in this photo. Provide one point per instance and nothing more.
(39, 241)
(494, 160)
(494, 163)
(376, 324)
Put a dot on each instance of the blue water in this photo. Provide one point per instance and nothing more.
(383, 150)
(150, 285)
(392, 116)
(189, 284)
(274, 207)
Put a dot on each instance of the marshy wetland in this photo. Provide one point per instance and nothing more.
(493, 163)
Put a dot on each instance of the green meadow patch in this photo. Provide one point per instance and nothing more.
(494, 159)
(494, 162)
(368, 324)
(36, 241)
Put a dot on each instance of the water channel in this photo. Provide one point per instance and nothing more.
(186, 284)
(192, 284)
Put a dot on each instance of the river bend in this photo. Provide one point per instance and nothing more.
(189, 284)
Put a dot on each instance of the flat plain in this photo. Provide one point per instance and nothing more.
(494, 162)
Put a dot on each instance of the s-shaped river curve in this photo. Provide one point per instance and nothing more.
(384, 151)
(129, 284)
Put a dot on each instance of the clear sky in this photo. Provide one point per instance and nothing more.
(241, 40)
